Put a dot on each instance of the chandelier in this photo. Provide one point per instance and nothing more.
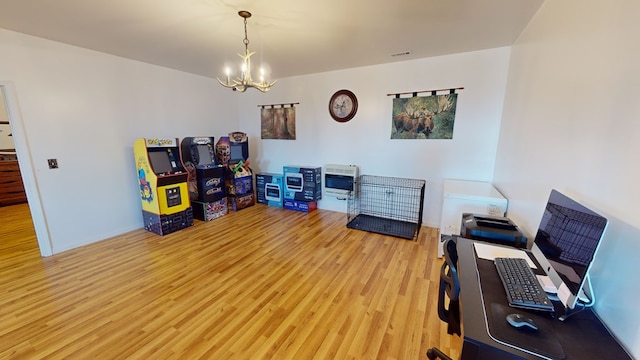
(244, 81)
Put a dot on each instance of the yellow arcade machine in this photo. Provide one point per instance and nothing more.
(163, 186)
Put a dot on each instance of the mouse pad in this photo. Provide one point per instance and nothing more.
(541, 341)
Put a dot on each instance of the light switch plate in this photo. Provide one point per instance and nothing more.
(53, 163)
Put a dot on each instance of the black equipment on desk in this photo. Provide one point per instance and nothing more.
(494, 229)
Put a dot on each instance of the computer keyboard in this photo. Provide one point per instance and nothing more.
(520, 283)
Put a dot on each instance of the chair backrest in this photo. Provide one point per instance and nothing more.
(449, 282)
(451, 276)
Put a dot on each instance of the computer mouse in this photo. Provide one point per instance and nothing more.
(520, 321)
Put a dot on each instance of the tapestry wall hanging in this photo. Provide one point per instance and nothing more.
(278, 123)
(424, 117)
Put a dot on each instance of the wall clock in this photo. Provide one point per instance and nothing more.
(343, 105)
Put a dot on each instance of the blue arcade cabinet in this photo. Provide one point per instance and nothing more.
(206, 181)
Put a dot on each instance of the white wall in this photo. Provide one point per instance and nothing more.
(85, 109)
(3, 110)
(571, 123)
(365, 140)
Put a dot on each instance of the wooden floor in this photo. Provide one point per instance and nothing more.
(262, 283)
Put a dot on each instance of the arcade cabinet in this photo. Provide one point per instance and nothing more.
(233, 152)
(163, 186)
(206, 179)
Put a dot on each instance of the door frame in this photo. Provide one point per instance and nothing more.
(25, 162)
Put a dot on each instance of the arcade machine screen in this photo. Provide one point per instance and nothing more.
(204, 156)
(160, 162)
(236, 152)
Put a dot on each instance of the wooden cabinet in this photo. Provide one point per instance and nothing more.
(11, 187)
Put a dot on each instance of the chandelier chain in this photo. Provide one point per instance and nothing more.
(246, 38)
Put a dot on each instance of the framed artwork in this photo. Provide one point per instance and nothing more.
(278, 123)
(424, 117)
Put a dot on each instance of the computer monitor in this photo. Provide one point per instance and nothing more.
(569, 236)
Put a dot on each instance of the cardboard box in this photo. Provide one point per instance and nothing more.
(207, 211)
(303, 183)
(302, 206)
(239, 202)
(269, 189)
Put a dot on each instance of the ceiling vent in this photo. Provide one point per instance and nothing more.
(401, 53)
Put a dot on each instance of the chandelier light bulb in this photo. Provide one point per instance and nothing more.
(227, 72)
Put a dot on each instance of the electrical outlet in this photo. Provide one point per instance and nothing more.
(53, 163)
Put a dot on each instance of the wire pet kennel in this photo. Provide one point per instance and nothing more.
(387, 205)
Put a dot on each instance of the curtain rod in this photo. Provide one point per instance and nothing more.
(433, 92)
(281, 105)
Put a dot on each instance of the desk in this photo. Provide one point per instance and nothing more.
(582, 336)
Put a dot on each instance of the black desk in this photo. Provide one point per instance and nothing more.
(582, 336)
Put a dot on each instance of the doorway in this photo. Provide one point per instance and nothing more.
(9, 98)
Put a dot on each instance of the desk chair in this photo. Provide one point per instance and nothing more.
(449, 285)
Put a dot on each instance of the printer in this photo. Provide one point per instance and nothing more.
(494, 229)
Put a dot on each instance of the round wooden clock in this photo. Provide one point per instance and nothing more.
(343, 105)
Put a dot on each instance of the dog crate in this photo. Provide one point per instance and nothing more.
(387, 205)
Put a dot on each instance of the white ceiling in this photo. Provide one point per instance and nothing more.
(292, 37)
